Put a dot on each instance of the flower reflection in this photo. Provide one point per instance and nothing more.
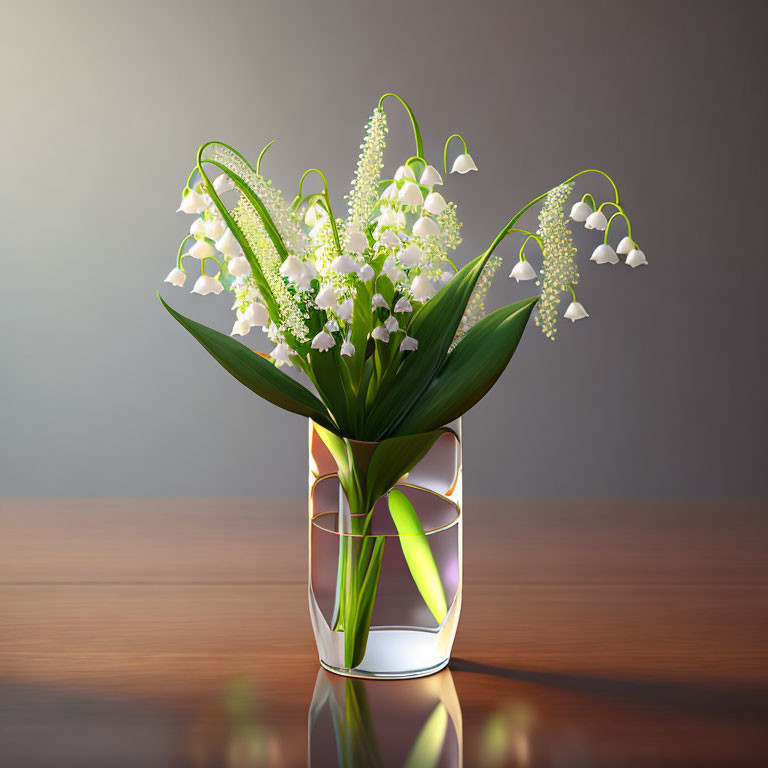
(356, 723)
(506, 736)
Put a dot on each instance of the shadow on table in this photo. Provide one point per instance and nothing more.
(693, 698)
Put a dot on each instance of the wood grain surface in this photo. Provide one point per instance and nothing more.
(610, 633)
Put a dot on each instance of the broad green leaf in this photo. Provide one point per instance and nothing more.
(428, 746)
(362, 324)
(393, 458)
(254, 371)
(417, 553)
(434, 324)
(471, 369)
(332, 386)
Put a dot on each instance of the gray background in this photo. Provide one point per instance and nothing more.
(661, 392)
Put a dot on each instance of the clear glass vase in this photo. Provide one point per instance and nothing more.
(385, 576)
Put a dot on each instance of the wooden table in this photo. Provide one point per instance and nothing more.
(176, 633)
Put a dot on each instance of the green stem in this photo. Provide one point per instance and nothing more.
(414, 123)
(445, 148)
(327, 203)
(261, 155)
(602, 173)
(610, 221)
(179, 255)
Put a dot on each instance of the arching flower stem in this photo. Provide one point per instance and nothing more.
(261, 155)
(445, 148)
(180, 255)
(608, 226)
(592, 202)
(326, 201)
(210, 258)
(573, 293)
(414, 122)
(531, 236)
(602, 173)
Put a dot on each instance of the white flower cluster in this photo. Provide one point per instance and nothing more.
(401, 236)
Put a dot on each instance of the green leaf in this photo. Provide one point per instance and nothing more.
(471, 369)
(434, 324)
(417, 553)
(332, 386)
(254, 371)
(428, 746)
(395, 457)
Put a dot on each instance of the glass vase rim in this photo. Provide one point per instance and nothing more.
(352, 440)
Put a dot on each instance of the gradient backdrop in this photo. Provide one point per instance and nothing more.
(662, 392)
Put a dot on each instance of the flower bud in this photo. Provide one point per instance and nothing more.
(366, 273)
(380, 333)
(345, 310)
(193, 202)
(241, 328)
(411, 255)
(176, 277)
(214, 228)
(281, 353)
(409, 344)
(357, 242)
(222, 184)
(344, 265)
(423, 288)
(410, 194)
(201, 250)
(402, 306)
(257, 314)
(377, 300)
(228, 244)
(198, 228)
(626, 245)
(239, 266)
(426, 227)
(404, 172)
(435, 203)
(326, 298)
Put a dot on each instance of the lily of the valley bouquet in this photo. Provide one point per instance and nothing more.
(374, 311)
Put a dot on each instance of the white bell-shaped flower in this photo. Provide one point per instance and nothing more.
(205, 285)
(377, 300)
(626, 245)
(292, 268)
(357, 242)
(396, 275)
(214, 228)
(391, 192)
(423, 288)
(176, 277)
(193, 203)
(391, 324)
(463, 164)
(313, 214)
(239, 266)
(344, 265)
(387, 217)
(404, 172)
(580, 211)
(596, 220)
(390, 239)
(326, 298)
(201, 250)
(445, 278)
(575, 312)
(241, 328)
(222, 184)
(430, 177)
(426, 227)
(323, 341)
(402, 305)
(347, 348)
(345, 310)
(411, 255)
(604, 254)
(228, 244)
(635, 258)
(366, 273)
(435, 203)
(409, 344)
(317, 228)
(332, 326)
(257, 314)
(522, 271)
(198, 228)
(304, 281)
(281, 353)
(410, 194)
(380, 333)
